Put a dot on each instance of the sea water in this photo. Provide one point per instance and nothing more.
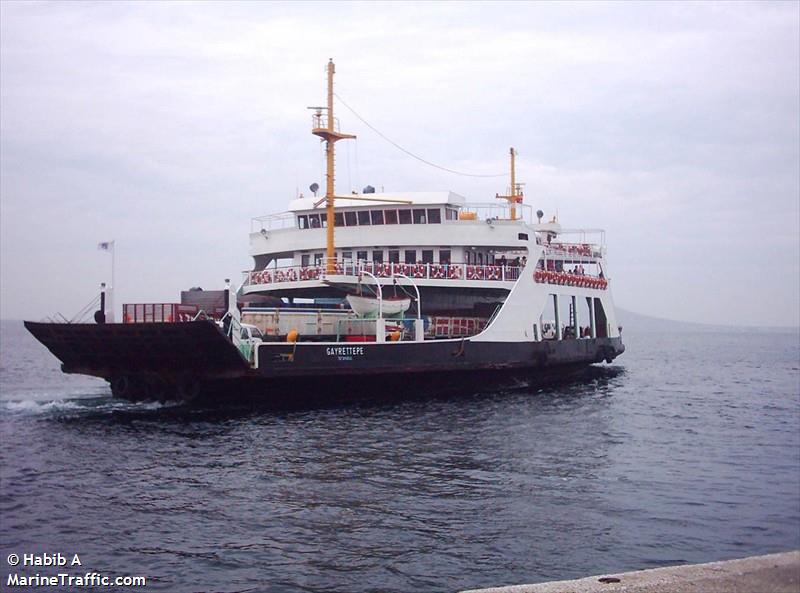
(686, 449)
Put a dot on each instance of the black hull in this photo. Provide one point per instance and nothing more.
(196, 361)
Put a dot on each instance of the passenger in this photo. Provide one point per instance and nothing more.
(516, 262)
(502, 261)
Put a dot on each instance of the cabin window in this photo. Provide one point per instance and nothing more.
(313, 221)
(318, 259)
(338, 219)
(522, 236)
(377, 216)
(350, 219)
(361, 255)
(394, 256)
(427, 256)
(480, 259)
(390, 216)
(419, 216)
(404, 216)
(324, 219)
(377, 256)
(444, 256)
(304, 259)
(347, 255)
(411, 256)
(302, 221)
(434, 216)
(363, 217)
(451, 214)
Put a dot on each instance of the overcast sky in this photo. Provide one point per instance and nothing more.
(167, 126)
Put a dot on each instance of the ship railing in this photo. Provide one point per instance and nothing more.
(319, 121)
(272, 222)
(580, 250)
(497, 211)
(570, 279)
(417, 271)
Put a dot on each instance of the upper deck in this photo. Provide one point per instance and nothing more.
(422, 218)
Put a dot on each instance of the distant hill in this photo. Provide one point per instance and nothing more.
(638, 323)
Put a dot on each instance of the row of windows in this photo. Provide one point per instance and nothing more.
(377, 217)
(409, 256)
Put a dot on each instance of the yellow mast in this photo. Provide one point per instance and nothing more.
(328, 132)
(516, 188)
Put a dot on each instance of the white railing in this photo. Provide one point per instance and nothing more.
(573, 250)
(494, 273)
(319, 121)
(490, 211)
(271, 222)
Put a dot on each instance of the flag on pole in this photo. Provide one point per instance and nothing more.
(105, 245)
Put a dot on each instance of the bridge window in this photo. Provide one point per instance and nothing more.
(313, 221)
(404, 216)
(363, 217)
(434, 216)
(390, 216)
(377, 216)
(419, 216)
(304, 259)
(318, 259)
(302, 222)
(451, 214)
(338, 219)
(350, 219)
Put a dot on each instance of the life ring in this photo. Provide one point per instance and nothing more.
(419, 271)
(472, 272)
(437, 272)
(291, 275)
(454, 272)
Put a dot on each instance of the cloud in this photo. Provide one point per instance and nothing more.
(168, 126)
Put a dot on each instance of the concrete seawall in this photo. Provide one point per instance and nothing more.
(774, 573)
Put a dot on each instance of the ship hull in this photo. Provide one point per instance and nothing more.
(195, 361)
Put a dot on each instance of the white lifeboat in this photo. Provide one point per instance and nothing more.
(368, 306)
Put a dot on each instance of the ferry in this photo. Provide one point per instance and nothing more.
(368, 294)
